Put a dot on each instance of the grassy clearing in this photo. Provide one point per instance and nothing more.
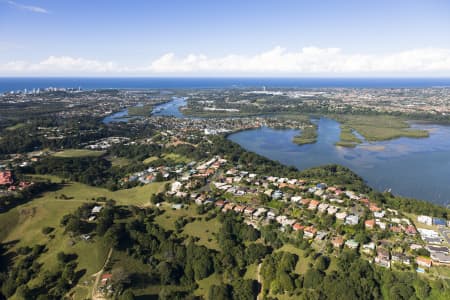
(177, 158)
(47, 212)
(139, 195)
(119, 161)
(302, 264)
(168, 218)
(251, 272)
(204, 284)
(24, 224)
(78, 153)
(15, 127)
(205, 231)
(150, 159)
(380, 128)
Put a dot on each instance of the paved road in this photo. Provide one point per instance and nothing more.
(445, 233)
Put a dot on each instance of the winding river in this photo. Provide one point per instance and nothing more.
(418, 168)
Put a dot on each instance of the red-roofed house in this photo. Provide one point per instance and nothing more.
(424, 261)
(6, 178)
(298, 226)
(337, 241)
(106, 278)
(374, 208)
(310, 232)
(411, 230)
(313, 205)
(369, 224)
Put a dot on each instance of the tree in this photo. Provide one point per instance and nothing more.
(313, 278)
(127, 295)
(322, 263)
(219, 292)
(244, 290)
(422, 288)
(286, 282)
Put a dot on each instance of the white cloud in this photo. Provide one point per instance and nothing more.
(60, 65)
(32, 8)
(309, 61)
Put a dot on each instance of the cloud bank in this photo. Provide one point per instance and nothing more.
(309, 61)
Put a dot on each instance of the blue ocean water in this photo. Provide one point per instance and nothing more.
(16, 83)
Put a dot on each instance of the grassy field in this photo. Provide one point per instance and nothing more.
(347, 138)
(177, 158)
(302, 264)
(78, 153)
(380, 128)
(119, 161)
(205, 231)
(251, 272)
(139, 195)
(204, 284)
(23, 225)
(47, 211)
(150, 159)
(14, 127)
(168, 218)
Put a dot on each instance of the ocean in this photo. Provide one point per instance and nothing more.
(29, 83)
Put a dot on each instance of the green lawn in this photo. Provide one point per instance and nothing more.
(302, 264)
(204, 230)
(14, 127)
(150, 159)
(250, 273)
(168, 218)
(139, 195)
(47, 211)
(204, 284)
(177, 158)
(78, 153)
(119, 161)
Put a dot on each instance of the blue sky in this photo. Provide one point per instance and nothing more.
(225, 38)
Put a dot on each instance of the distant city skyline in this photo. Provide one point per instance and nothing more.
(264, 38)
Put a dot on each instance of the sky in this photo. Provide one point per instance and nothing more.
(266, 38)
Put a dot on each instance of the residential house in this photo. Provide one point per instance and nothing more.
(425, 220)
(341, 216)
(323, 207)
(309, 232)
(298, 226)
(313, 205)
(337, 241)
(352, 220)
(369, 224)
(352, 244)
(424, 261)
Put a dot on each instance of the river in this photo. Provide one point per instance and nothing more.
(418, 168)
